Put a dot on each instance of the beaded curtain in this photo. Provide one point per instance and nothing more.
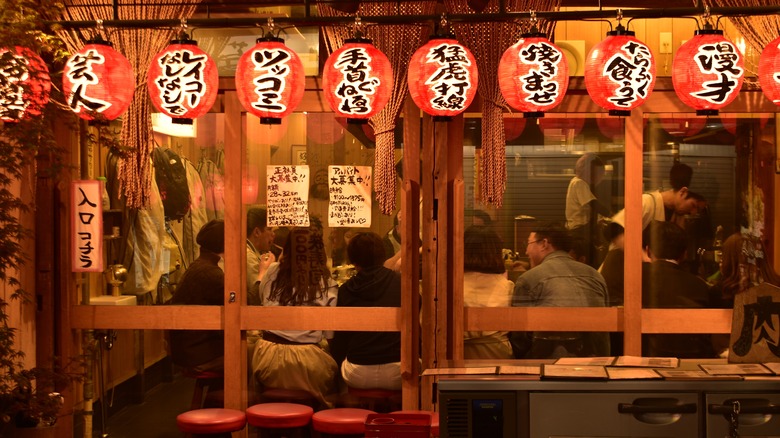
(398, 43)
(488, 41)
(139, 46)
(758, 30)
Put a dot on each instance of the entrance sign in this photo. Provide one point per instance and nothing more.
(350, 196)
(86, 224)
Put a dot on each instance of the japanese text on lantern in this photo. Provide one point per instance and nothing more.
(720, 59)
(274, 67)
(288, 196)
(81, 75)
(451, 81)
(15, 70)
(539, 83)
(86, 226)
(357, 83)
(350, 196)
(630, 68)
(181, 82)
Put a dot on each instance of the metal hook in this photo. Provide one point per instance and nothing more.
(183, 24)
(270, 24)
(533, 16)
(443, 23)
(619, 15)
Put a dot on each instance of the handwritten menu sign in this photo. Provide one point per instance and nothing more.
(86, 225)
(350, 196)
(288, 196)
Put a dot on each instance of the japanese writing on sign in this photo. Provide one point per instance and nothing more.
(273, 65)
(357, 83)
(720, 59)
(181, 83)
(79, 70)
(350, 196)
(630, 68)
(452, 80)
(539, 84)
(288, 196)
(15, 70)
(86, 226)
(307, 251)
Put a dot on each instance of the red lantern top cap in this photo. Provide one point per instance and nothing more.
(358, 40)
(620, 30)
(268, 38)
(100, 41)
(708, 31)
(184, 39)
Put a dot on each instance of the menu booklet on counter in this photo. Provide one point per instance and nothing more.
(520, 369)
(603, 361)
(574, 372)
(619, 373)
(647, 362)
(694, 375)
(735, 368)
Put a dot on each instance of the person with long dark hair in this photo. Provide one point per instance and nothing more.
(297, 359)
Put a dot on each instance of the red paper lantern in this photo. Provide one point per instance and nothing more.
(443, 78)
(96, 81)
(270, 80)
(357, 80)
(707, 72)
(769, 71)
(683, 126)
(183, 81)
(25, 84)
(620, 72)
(533, 75)
(730, 123)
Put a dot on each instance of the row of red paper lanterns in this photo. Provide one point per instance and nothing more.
(620, 73)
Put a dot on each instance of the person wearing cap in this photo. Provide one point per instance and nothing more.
(202, 284)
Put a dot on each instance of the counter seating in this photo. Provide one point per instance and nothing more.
(216, 422)
(340, 422)
(280, 419)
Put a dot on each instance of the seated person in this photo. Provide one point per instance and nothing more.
(369, 359)
(485, 284)
(203, 284)
(557, 280)
(296, 359)
(665, 285)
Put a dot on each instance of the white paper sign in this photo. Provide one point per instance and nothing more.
(86, 226)
(288, 196)
(350, 196)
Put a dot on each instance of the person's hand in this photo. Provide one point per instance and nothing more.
(265, 261)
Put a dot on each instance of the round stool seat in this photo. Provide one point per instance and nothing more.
(341, 421)
(434, 419)
(279, 415)
(205, 421)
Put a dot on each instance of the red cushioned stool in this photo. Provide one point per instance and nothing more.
(340, 422)
(211, 422)
(434, 419)
(280, 419)
(375, 399)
